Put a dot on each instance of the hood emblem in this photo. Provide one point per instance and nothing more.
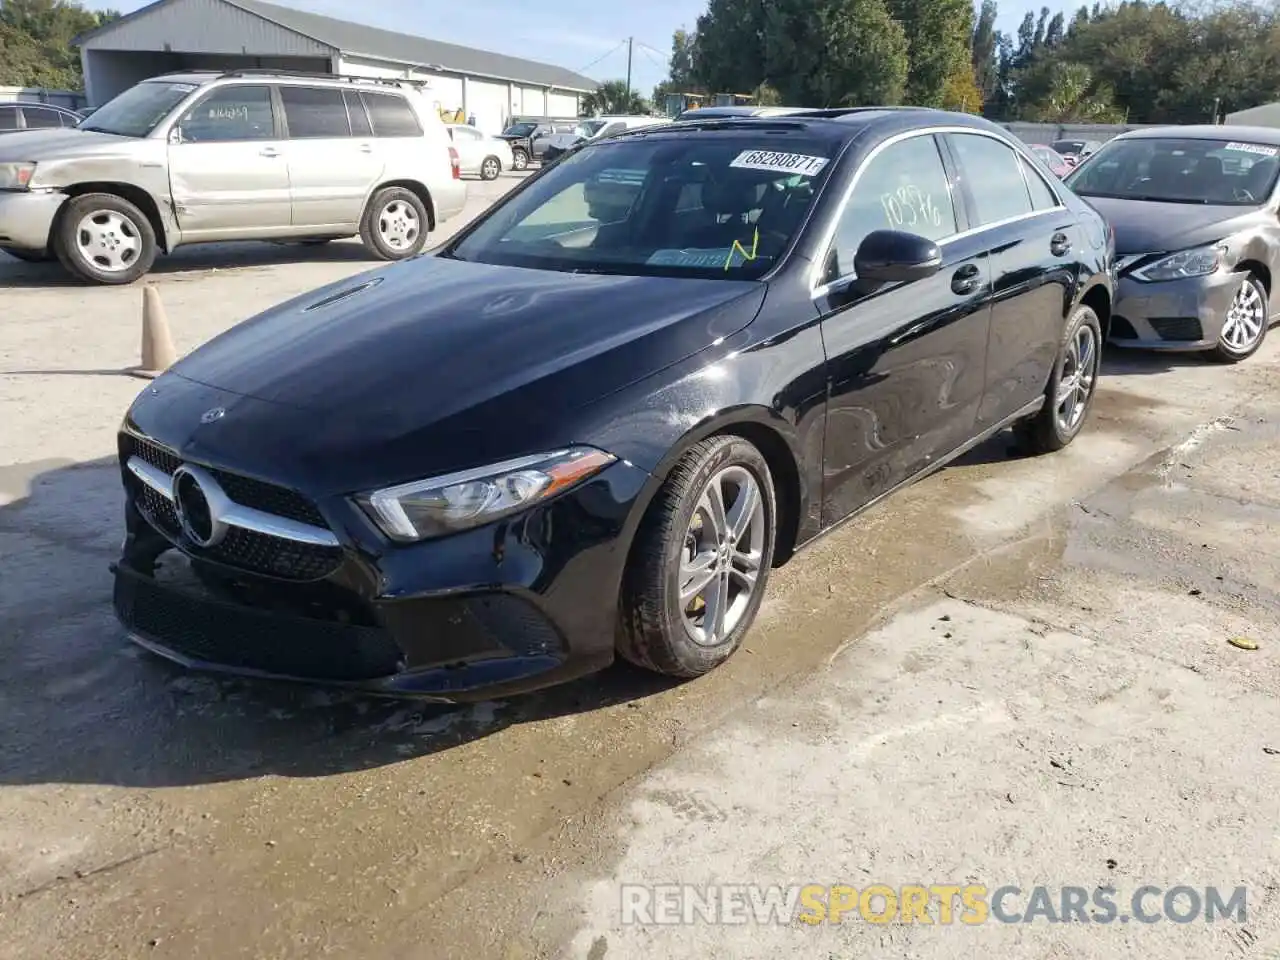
(210, 416)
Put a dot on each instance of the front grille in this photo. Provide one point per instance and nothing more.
(243, 549)
(1177, 328)
(245, 638)
(1122, 329)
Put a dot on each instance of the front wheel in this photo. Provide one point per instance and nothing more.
(1245, 325)
(395, 224)
(490, 169)
(105, 239)
(701, 561)
(519, 160)
(1072, 385)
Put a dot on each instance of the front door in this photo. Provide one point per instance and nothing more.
(333, 158)
(1034, 244)
(227, 167)
(906, 361)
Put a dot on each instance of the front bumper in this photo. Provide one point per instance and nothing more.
(26, 217)
(1173, 315)
(503, 609)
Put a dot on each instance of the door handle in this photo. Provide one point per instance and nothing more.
(966, 279)
(366, 148)
(1060, 244)
(269, 152)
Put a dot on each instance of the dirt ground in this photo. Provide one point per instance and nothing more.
(1015, 673)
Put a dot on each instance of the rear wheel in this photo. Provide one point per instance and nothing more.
(519, 159)
(1245, 325)
(395, 224)
(1071, 388)
(701, 561)
(105, 239)
(490, 168)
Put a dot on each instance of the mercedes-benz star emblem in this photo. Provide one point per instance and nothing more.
(198, 501)
(209, 416)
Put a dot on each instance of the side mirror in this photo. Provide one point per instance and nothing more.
(894, 256)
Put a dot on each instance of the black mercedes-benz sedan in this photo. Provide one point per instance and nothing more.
(591, 423)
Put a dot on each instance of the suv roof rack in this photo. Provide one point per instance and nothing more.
(315, 75)
(832, 113)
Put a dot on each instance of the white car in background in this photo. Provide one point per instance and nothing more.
(479, 153)
(596, 128)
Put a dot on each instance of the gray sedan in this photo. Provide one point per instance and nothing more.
(1197, 231)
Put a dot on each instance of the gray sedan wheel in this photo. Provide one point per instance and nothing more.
(1245, 325)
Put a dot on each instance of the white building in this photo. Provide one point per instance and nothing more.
(172, 35)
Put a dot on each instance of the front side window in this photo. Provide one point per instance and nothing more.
(993, 173)
(315, 112)
(39, 118)
(139, 110)
(679, 206)
(1176, 170)
(391, 115)
(231, 114)
(903, 187)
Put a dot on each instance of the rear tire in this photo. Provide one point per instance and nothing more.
(666, 622)
(519, 159)
(1071, 389)
(490, 167)
(104, 239)
(1249, 308)
(395, 224)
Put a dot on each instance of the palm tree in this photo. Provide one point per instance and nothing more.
(613, 98)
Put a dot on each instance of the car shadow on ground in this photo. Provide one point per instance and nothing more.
(81, 704)
(200, 258)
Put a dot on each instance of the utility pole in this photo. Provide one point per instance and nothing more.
(630, 43)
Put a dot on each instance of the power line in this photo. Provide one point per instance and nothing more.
(604, 57)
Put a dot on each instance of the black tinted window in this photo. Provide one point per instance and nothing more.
(992, 171)
(38, 118)
(904, 187)
(8, 118)
(314, 112)
(1042, 198)
(391, 115)
(356, 115)
(231, 113)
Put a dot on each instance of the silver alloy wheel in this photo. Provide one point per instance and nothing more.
(490, 170)
(519, 160)
(399, 225)
(1079, 371)
(1245, 320)
(108, 241)
(721, 556)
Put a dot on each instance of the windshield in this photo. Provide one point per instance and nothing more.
(1172, 170)
(686, 206)
(136, 112)
(588, 129)
(519, 130)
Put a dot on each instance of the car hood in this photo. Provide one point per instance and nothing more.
(435, 364)
(1145, 227)
(60, 144)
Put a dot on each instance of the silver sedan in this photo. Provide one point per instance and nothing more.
(479, 153)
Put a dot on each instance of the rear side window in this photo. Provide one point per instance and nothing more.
(993, 173)
(1042, 198)
(356, 115)
(8, 118)
(391, 115)
(38, 118)
(314, 112)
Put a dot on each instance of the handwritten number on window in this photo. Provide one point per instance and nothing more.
(909, 206)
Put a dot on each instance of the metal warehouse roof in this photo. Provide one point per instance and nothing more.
(357, 39)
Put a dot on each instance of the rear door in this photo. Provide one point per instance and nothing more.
(1032, 240)
(398, 137)
(470, 146)
(905, 361)
(227, 167)
(332, 158)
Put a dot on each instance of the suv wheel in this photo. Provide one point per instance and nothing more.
(701, 561)
(519, 159)
(490, 169)
(1071, 388)
(105, 239)
(395, 224)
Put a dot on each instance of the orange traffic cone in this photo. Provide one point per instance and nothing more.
(157, 345)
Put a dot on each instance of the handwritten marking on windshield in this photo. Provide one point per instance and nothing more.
(738, 247)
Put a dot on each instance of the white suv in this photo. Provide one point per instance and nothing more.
(247, 155)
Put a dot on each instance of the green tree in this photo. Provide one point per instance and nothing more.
(985, 51)
(613, 97)
(36, 48)
(680, 66)
(1075, 97)
(939, 35)
(728, 56)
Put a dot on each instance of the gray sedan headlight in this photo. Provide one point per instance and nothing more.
(1197, 262)
(439, 506)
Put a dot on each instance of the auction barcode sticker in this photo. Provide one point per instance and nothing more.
(779, 162)
(1253, 148)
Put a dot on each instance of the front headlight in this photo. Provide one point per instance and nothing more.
(1198, 262)
(440, 506)
(16, 176)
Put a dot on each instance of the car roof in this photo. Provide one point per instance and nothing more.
(1207, 131)
(742, 112)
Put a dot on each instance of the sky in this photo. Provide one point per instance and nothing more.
(588, 36)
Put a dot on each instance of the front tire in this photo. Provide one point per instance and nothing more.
(395, 223)
(519, 160)
(105, 239)
(1072, 385)
(1245, 325)
(490, 168)
(701, 562)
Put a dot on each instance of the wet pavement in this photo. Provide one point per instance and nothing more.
(147, 811)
